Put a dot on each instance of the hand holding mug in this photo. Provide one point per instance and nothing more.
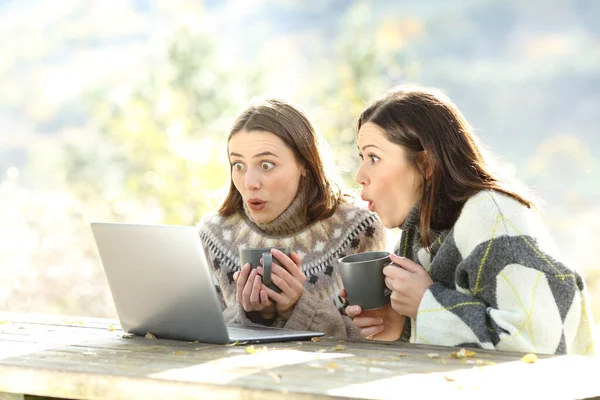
(407, 283)
(250, 293)
(379, 324)
(289, 278)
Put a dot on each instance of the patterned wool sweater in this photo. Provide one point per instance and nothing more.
(349, 230)
(499, 283)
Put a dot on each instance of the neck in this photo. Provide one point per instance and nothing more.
(288, 222)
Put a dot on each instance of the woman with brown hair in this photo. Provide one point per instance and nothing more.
(280, 196)
(476, 265)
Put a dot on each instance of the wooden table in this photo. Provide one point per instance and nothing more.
(74, 358)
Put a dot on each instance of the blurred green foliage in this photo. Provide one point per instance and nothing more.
(120, 111)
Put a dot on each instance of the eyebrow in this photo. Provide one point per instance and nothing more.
(369, 145)
(264, 153)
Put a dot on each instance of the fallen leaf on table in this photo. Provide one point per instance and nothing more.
(236, 343)
(72, 322)
(449, 379)
(111, 328)
(401, 355)
(462, 353)
(178, 353)
(338, 347)
(3, 321)
(253, 350)
(332, 366)
(194, 342)
(127, 335)
(529, 358)
(433, 355)
(276, 377)
(206, 347)
(315, 339)
(150, 336)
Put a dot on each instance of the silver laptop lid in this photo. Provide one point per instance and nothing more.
(160, 281)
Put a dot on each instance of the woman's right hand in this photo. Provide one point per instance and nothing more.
(249, 294)
(380, 324)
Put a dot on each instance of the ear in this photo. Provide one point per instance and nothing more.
(303, 173)
(425, 165)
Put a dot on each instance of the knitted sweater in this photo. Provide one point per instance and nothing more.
(499, 283)
(320, 244)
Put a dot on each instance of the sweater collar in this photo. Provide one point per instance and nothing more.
(412, 219)
(289, 221)
(444, 216)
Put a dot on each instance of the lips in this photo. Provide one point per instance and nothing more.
(256, 204)
(369, 203)
(371, 206)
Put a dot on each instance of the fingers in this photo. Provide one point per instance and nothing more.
(264, 299)
(343, 294)
(371, 331)
(353, 311)
(255, 292)
(247, 291)
(279, 273)
(242, 277)
(290, 265)
(389, 282)
(394, 271)
(295, 258)
(368, 326)
(406, 263)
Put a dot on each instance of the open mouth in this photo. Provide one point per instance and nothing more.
(371, 206)
(256, 205)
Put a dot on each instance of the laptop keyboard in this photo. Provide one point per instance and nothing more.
(252, 331)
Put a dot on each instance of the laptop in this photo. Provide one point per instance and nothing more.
(161, 283)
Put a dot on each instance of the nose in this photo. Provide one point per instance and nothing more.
(361, 177)
(252, 180)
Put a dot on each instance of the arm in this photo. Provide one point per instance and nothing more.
(232, 313)
(510, 292)
(311, 313)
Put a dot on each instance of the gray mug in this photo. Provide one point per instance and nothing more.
(363, 279)
(252, 256)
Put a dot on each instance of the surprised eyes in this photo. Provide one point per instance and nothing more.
(267, 165)
(374, 159)
(264, 165)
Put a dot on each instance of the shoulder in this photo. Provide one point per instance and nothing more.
(214, 222)
(491, 205)
(352, 214)
(489, 215)
(351, 221)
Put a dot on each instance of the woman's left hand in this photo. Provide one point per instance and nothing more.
(408, 284)
(289, 278)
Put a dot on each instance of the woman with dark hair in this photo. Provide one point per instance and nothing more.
(476, 265)
(280, 196)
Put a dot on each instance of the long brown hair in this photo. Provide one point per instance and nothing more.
(292, 126)
(441, 145)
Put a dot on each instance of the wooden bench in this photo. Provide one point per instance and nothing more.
(74, 358)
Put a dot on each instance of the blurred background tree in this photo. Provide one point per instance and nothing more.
(120, 111)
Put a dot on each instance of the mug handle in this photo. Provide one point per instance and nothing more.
(388, 292)
(267, 266)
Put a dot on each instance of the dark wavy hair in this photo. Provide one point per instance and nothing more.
(441, 145)
(293, 127)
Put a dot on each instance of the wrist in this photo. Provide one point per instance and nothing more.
(285, 314)
(268, 314)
